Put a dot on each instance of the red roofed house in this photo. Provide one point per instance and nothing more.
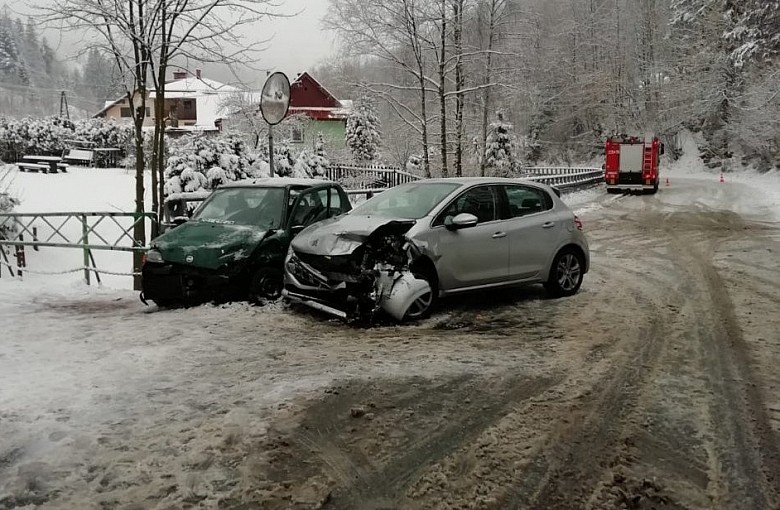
(328, 114)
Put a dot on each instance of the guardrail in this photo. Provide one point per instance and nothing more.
(376, 176)
(564, 178)
(72, 230)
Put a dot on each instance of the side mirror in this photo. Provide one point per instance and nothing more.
(296, 229)
(462, 220)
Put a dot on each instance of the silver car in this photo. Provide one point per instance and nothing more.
(410, 245)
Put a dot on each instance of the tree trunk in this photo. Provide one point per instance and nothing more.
(441, 89)
(486, 92)
(424, 126)
(139, 230)
(459, 84)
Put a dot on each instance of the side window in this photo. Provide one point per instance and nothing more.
(480, 201)
(524, 200)
(336, 206)
(313, 206)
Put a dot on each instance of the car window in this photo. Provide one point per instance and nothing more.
(479, 201)
(314, 206)
(525, 200)
(411, 201)
(336, 205)
(262, 207)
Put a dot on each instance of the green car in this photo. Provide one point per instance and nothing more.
(234, 245)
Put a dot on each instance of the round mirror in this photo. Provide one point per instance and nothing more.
(275, 98)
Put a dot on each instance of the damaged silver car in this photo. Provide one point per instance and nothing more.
(410, 245)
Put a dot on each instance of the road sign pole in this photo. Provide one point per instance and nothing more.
(271, 148)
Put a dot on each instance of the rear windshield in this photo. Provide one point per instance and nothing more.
(261, 207)
(409, 201)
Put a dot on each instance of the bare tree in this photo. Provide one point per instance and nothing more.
(143, 37)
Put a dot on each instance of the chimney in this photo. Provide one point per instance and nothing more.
(197, 73)
(179, 75)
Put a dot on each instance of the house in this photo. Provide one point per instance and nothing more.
(192, 103)
(326, 114)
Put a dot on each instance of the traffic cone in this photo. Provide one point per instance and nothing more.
(667, 182)
(721, 178)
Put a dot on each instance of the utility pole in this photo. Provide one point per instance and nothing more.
(64, 110)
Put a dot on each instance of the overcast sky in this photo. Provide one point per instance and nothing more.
(298, 44)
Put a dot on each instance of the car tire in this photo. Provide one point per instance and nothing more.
(566, 274)
(423, 306)
(266, 285)
(165, 303)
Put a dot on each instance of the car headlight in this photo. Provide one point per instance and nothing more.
(154, 256)
(290, 253)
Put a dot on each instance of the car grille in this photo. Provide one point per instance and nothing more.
(341, 264)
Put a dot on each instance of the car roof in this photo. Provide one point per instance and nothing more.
(275, 182)
(476, 180)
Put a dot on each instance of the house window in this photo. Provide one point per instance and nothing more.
(187, 104)
(297, 134)
(125, 112)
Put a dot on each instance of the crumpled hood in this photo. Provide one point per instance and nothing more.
(210, 245)
(343, 234)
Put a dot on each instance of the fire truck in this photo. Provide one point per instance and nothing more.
(632, 163)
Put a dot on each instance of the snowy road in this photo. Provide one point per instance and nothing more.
(656, 385)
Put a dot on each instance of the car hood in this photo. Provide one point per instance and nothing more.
(343, 234)
(209, 245)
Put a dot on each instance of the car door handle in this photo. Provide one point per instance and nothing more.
(549, 224)
(499, 235)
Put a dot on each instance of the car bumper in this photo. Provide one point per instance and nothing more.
(170, 282)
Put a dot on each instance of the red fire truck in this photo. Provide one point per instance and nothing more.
(632, 163)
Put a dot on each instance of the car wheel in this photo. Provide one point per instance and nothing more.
(422, 307)
(566, 274)
(266, 285)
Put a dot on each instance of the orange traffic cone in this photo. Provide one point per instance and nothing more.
(667, 182)
(721, 178)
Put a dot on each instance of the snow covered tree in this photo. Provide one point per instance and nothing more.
(304, 166)
(363, 131)
(283, 161)
(7, 202)
(414, 165)
(500, 149)
(321, 164)
(203, 163)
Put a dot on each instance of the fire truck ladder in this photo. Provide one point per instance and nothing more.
(647, 158)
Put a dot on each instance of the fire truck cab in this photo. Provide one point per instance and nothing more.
(632, 163)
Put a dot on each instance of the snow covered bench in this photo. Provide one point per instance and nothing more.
(79, 156)
(33, 167)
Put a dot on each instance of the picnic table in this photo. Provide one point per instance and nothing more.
(44, 164)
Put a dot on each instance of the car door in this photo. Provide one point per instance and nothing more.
(532, 229)
(471, 256)
(316, 204)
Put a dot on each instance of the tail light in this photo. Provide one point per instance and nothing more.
(578, 222)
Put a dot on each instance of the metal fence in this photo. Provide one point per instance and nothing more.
(71, 230)
(80, 229)
(371, 176)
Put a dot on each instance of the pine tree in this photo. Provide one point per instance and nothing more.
(500, 150)
(320, 161)
(363, 131)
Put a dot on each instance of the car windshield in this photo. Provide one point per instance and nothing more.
(409, 201)
(261, 207)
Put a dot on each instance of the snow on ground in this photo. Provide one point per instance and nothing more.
(104, 397)
(79, 190)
